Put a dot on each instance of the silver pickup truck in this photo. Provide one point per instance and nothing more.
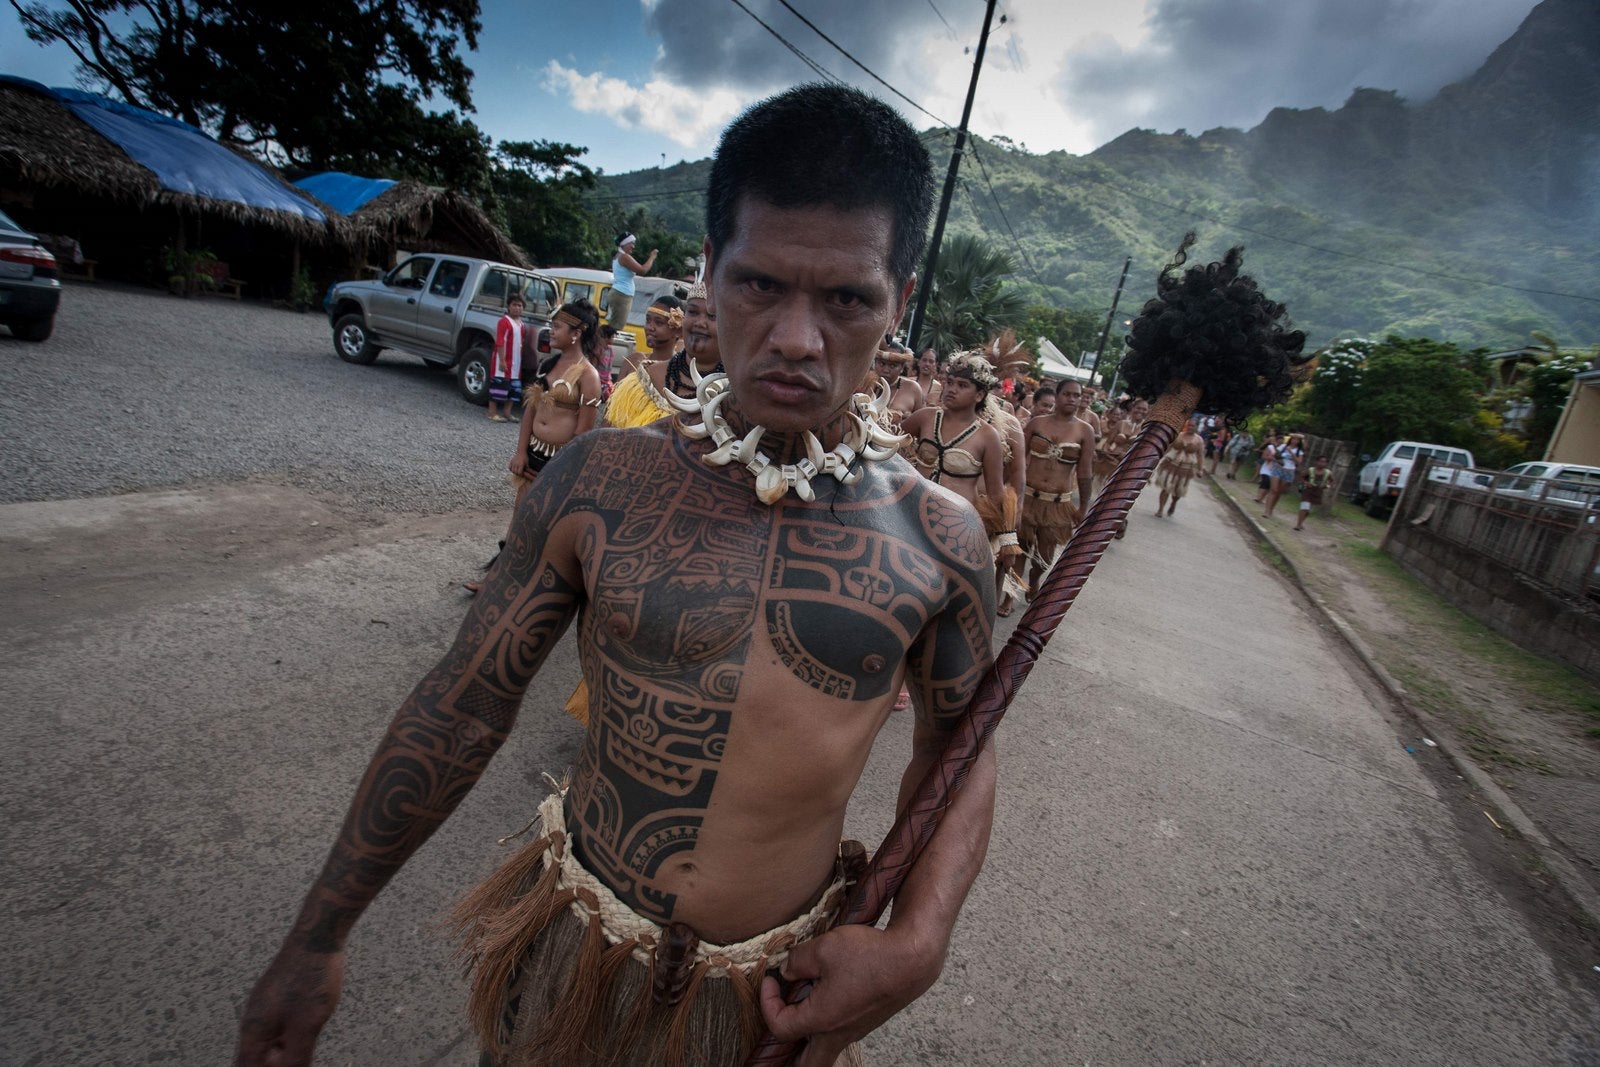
(441, 308)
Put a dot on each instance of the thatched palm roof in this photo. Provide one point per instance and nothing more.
(424, 218)
(44, 145)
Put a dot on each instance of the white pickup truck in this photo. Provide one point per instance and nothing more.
(1380, 482)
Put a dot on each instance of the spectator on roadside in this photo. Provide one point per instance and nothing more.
(1291, 455)
(505, 366)
(1269, 466)
(1239, 446)
(1313, 488)
(623, 270)
(1217, 443)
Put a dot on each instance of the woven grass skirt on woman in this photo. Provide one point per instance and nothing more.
(1174, 475)
(564, 974)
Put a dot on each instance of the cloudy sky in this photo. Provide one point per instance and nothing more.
(642, 82)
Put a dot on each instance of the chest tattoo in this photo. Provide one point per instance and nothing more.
(843, 604)
(686, 576)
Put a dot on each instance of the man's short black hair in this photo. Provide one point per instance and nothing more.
(825, 146)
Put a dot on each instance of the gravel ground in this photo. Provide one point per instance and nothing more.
(141, 390)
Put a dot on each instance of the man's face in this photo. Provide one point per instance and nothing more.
(804, 297)
(1044, 403)
(699, 329)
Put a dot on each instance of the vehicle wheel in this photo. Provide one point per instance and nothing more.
(1358, 498)
(352, 342)
(472, 374)
(34, 329)
(1378, 508)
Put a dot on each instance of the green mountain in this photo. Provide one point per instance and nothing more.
(1381, 216)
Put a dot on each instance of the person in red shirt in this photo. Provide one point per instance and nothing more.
(505, 367)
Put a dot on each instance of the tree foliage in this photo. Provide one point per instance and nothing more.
(331, 84)
(1418, 389)
(970, 301)
(1074, 331)
(539, 189)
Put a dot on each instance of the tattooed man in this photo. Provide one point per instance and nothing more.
(750, 592)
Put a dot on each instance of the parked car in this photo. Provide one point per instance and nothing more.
(1381, 482)
(30, 283)
(441, 308)
(1566, 484)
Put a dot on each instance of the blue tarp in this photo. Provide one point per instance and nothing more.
(345, 193)
(182, 158)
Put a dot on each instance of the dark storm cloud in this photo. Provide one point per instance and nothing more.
(1212, 63)
(708, 43)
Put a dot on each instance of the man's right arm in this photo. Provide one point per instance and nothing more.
(432, 754)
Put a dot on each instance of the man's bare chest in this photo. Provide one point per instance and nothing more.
(687, 597)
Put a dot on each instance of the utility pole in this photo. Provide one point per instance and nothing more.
(926, 285)
(1115, 299)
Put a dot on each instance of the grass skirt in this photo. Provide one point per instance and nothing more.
(563, 974)
(1046, 525)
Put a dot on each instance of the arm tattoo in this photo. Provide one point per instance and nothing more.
(454, 720)
(951, 656)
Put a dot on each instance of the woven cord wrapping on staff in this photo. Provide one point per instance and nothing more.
(1209, 334)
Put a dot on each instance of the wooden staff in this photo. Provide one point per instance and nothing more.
(917, 822)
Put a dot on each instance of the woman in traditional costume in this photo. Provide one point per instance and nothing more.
(560, 402)
(955, 446)
(641, 397)
(1179, 467)
(1059, 449)
(928, 377)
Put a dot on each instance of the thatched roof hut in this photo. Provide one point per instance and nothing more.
(43, 145)
(76, 145)
(386, 216)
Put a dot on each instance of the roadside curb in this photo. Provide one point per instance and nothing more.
(1565, 873)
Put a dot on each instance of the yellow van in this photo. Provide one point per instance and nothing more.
(584, 283)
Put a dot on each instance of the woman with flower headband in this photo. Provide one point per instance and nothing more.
(663, 331)
(891, 365)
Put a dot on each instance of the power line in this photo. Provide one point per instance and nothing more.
(944, 20)
(841, 50)
(807, 60)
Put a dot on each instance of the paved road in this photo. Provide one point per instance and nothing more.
(1211, 846)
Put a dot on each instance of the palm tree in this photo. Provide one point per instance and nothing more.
(970, 302)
